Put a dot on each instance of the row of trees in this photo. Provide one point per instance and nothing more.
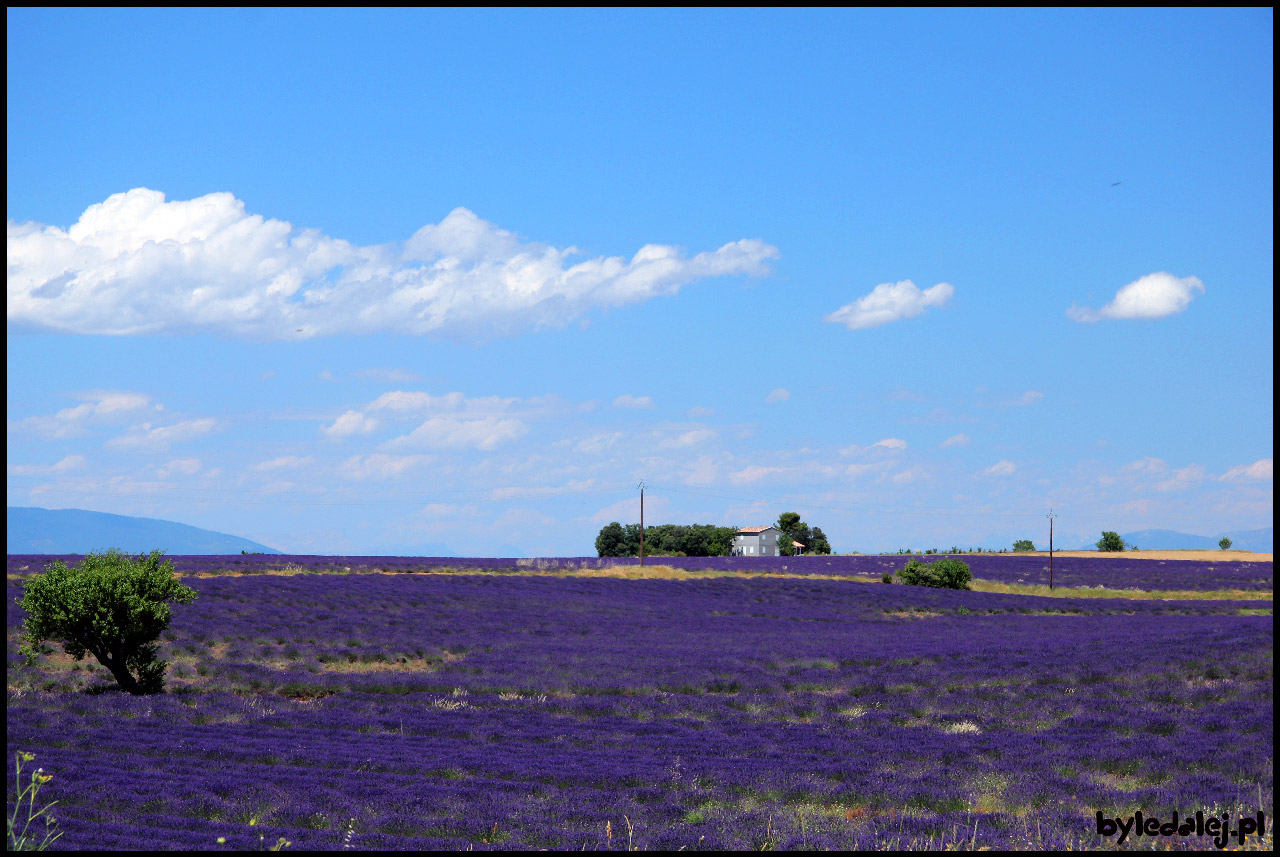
(665, 540)
(617, 539)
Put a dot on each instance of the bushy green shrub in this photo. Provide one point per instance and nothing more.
(942, 574)
(111, 606)
(1024, 545)
(1110, 541)
(887, 577)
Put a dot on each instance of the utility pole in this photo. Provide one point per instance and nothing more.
(642, 522)
(1051, 517)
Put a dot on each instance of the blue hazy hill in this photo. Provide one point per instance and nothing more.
(1246, 540)
(59, 531)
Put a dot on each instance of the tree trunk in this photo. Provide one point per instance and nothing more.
(116, 664)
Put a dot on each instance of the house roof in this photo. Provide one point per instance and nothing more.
(755, 529)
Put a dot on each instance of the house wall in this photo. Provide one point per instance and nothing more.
(757, 544)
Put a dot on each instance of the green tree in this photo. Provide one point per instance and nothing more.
(1110, 541)
(1225, 544)
(1024, 545)
(941, 574)
(787, 522)
(612, 540)
(820, 543)
(111, 606)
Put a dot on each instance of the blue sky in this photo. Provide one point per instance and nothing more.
(376, 282)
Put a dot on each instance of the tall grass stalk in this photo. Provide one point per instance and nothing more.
(21, 840)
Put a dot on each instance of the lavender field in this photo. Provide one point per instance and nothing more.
(468, 710)
(1112, 572)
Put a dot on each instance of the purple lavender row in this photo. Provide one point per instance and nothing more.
(1110, 572)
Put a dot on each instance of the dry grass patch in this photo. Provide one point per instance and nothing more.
(979, 585)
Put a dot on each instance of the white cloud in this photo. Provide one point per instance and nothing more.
(754, 473)
(70, 462)
(891, 302)
(456, 433)
(890, 443)
(138, 264)
(628, 511)
(699, 412)
(379, 465)
(284, 461)
(956, 440)
(629, 401)
(350, 423)
(98, 407)
(160, 438)
(597, 444)
(1182, 478)
(778, 395)
(1000, 468)
(1259, 470)
(180, 466)
(1146, 465)
(1153, 296)
(693, 437)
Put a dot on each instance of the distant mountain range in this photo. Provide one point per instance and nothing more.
(1259, 541)
(59, 531)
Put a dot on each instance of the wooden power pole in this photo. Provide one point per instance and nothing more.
(1051, 517)
(642, 523)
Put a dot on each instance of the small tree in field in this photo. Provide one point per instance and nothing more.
(1225, 544)
(111, 606)
(1110, 541)
(1024, 545)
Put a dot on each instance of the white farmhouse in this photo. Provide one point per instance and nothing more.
(756, 541)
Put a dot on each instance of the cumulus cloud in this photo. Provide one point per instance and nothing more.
(629, 401)
(350, 423)
(159, 438)
(890, 443)
(1153, 296)
(754, 473)
(289, 462)
(693, 437)
(138, 264)
(891, 302)
(1182, 478)
(379, 465)
(1259, 470)
(1000, 468)
(459, 433)
(70, 462)
(956, 440)
(1146, 465)
(97, 407)
(778, 395)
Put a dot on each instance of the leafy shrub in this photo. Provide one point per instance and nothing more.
(942, 574)
(887, 577)
(1110, 541)
(111, 606)
(1225, 544)
(1024, 545)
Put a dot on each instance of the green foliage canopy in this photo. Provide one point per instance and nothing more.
(665, 540)
(942, 574)
(111, 606)
(1110, 541)
(1225, 544)
(1024, 545)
